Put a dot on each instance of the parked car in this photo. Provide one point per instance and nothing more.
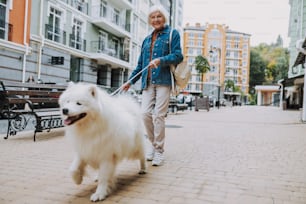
(175, 105)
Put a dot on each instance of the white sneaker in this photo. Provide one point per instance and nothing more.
(158, 159)
(150, 153)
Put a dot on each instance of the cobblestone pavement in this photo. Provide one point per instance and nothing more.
(238, 155)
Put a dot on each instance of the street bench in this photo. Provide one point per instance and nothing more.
(21, 103)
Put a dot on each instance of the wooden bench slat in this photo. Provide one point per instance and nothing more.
(33, 100)
(32, 93)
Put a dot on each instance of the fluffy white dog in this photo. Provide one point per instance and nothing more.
(104, 130)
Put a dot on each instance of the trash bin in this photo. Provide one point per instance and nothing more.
(284, 105)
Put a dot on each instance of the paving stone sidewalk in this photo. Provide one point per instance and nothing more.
(238, 155)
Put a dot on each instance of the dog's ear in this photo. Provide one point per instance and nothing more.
(93, 91)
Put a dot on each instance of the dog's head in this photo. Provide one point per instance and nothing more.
(78, 102)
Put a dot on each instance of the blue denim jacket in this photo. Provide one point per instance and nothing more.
(161, 74)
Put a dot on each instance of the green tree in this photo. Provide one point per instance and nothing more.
(202, 66)
(230, 86)
(257, 69)
(276, 59)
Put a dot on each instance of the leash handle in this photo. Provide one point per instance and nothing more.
(119, 90)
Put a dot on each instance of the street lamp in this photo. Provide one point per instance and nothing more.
(212, 51)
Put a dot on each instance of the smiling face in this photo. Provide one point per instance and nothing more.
(157, 20)
(77, 103)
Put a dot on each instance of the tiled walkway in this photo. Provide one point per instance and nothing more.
(232, 155)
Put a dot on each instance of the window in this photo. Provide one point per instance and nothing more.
(53, 27)
(116, 18)
(80, 5)
(236, 63)
(236, 45)
(102, 41)
(75, 68)
(143, 29)
(236, 54)
(213, 68)
(199, 52)
(113, 47)
(103, 8)
(228, 53)
(2, 18)
(190, 60)
(76, 37)
(191, 43)
(135, 26)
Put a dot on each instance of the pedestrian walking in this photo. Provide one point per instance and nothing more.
(156, 80)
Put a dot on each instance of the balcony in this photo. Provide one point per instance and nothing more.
(55, 34)
(107, 54)
(111, 21)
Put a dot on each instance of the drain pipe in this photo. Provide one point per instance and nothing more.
(42, 41)
(25, 41)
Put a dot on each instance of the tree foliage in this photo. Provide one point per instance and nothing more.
(202, 66)
(257, 69)
(268, 64)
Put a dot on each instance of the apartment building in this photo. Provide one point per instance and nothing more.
(56, 41)
(296, 32)
(228, 53)
(15, 18)
(293, 91)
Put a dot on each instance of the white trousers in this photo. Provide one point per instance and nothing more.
(155, 102)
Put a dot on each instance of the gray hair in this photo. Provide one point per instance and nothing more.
(161, 10)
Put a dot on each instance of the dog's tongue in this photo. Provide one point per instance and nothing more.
(68, 121)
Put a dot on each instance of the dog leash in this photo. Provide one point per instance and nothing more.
(120, 88)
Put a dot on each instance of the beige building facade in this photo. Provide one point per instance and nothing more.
(228, 53)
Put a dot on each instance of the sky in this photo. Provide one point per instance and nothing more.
(263, 19)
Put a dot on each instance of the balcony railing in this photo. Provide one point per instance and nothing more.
(55, 34)
(109, 15)
(77, 42)
(99, 47)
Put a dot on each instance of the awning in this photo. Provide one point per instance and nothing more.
(292, 81)
(232, 93)
(300, 59)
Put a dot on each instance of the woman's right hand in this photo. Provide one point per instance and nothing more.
(126, 86)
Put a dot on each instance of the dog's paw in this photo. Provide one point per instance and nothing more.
(77, 177)
(142, 171)
(97, 196)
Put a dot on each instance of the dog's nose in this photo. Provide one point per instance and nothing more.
(65, 111)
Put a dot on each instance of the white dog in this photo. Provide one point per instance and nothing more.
(104, 130)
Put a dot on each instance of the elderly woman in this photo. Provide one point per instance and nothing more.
(155, 58)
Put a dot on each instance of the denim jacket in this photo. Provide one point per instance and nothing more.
(160, 75)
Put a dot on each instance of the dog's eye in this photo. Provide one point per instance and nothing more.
(78, 103)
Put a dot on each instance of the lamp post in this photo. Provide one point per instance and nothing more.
(212, 51)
